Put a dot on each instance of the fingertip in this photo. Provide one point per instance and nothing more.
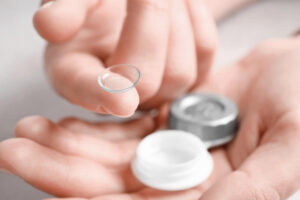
(30, 127)
(59, 21)
(120, 94)
(4, 145)
(14, 152)
(123, 104)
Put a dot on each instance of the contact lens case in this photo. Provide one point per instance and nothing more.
(178, 158)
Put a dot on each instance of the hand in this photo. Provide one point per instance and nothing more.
(171, 42)
(84, 160)
(264, 157)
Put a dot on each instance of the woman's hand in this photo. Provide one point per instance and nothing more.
(264, 156)
(74, 158)
(171, 42)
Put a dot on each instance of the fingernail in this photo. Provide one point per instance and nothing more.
(48, 4)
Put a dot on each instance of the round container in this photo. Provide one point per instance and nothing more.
(172, 160)
(211, 117)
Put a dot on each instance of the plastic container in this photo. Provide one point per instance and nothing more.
(172, 160)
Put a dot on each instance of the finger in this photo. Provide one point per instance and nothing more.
(59, 174)
(272, 171)
(74, 76)
(205, 34)
(222, 167)
(143, 43)
(181, 71)
(60, 20)
(47, 133)
(111, 131)
(247, 138)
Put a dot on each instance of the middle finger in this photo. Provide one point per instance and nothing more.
(181, 66)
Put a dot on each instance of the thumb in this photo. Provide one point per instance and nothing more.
(58, 21)
(231, 81)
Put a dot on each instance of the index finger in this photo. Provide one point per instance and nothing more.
(74, 76)
(143, 43)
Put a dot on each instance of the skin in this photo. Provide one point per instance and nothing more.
(159, 37)
(223, 8)
(73, 158)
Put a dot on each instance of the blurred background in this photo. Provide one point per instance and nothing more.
(25, 91)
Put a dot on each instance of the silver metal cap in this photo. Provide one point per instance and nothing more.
(212, 117)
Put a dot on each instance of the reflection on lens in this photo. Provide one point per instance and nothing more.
(119, 78)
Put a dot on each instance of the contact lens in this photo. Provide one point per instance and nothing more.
(119, 78)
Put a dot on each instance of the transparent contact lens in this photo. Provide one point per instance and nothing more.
(119, 78)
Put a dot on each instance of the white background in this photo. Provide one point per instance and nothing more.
(24, 90)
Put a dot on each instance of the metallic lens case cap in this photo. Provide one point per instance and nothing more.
(212, 117)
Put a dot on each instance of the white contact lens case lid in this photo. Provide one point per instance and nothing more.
(172, 160)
